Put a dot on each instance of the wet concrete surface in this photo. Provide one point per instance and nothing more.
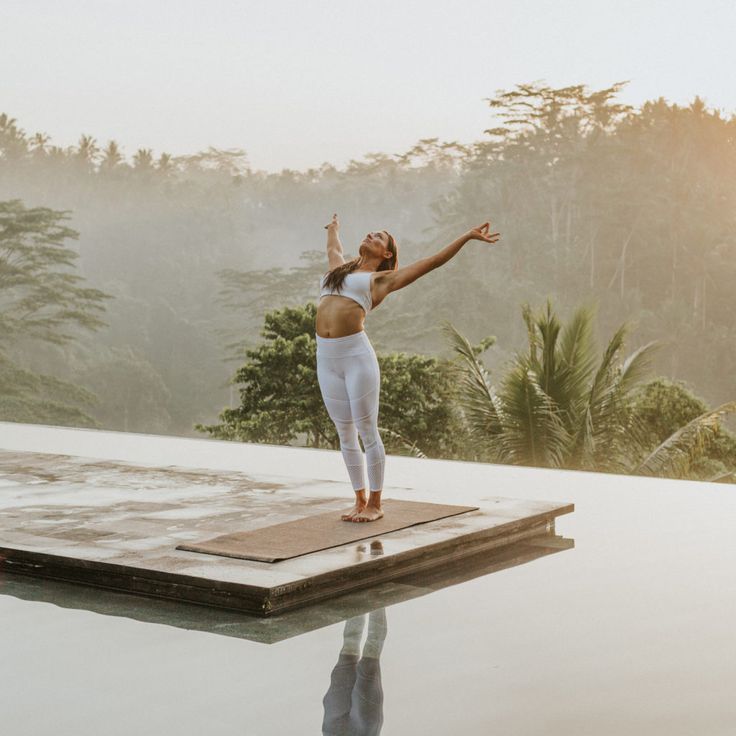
(116, 525)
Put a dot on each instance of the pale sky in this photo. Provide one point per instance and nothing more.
(297, 83)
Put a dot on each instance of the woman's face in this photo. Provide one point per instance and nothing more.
(375, 244)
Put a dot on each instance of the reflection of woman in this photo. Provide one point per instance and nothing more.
(354, 702)
(347, 367)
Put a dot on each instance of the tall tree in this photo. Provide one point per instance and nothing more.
(280, 397)
(39, 300)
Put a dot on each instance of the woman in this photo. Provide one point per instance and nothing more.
(347, 367)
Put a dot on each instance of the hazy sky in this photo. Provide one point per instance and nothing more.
(300, 82)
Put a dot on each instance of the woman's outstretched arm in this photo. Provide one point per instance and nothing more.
(334, 246)
(402, 277)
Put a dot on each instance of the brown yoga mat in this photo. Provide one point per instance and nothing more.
(320, 531)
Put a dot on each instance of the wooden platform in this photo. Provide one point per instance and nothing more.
(116, 525)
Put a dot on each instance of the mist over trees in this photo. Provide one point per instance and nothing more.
(597, 202)
(41, 302)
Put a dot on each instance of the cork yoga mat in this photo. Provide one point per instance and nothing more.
(321, 531)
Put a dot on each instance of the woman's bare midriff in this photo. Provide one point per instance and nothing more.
(338, 316)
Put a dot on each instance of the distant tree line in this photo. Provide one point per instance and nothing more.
(597, 203)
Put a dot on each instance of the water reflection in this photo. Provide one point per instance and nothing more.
(292, 623)
(354, 701)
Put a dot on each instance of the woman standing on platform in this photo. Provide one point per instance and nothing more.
(347, 367)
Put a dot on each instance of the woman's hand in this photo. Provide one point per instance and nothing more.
(481, 233)
(333, 226)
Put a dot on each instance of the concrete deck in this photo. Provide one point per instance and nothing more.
(115, 525)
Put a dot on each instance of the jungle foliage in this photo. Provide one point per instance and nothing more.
(598, 203)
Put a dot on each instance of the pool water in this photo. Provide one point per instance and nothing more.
(630, 631)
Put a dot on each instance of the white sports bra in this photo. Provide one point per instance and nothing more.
(356, 286)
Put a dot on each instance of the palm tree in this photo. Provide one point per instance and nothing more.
(559, 406)
(87, 151)
(143, 159)
(38, 144)
(111, 155)
(165, 163)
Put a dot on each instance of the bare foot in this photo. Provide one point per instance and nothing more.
(370, 513)
(348, 515)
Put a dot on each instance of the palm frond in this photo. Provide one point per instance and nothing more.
(575, 364)
(615, 433)
(410, 446)
(606, 369)
(577, 349)
(728, 477)
(637, 365)
(549, 329)
(477, 398)
(533, 432)
(675, 452)
(598, 405)
(534, 346)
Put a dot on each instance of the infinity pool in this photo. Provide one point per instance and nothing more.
(628, 632)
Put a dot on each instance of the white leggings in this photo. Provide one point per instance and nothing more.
(350, 381)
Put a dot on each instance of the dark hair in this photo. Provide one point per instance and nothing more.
(336, 276)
